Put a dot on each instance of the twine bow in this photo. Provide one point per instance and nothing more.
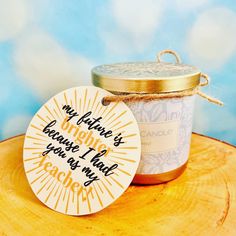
(155, 96)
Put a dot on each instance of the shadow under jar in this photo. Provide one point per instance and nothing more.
(165, 124)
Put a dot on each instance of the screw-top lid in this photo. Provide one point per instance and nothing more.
(147, 77)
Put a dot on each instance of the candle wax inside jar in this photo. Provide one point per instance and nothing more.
(165, 127)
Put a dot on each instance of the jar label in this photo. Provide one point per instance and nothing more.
(79, 154)
(159, 137)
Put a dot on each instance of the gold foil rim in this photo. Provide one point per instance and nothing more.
(148, 84)
(147, 179)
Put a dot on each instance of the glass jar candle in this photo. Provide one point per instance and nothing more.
(165, 123)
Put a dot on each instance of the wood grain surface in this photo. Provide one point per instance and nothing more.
(200, 202)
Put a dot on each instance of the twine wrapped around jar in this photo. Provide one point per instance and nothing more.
(161, 97)
(165, 95)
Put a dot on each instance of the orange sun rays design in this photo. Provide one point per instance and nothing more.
(50, 189)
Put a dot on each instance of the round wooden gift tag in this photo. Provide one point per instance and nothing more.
(79, 154)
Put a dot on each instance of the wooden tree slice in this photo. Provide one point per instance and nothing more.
(200, 202)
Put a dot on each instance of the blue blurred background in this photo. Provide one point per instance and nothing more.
(50, 45)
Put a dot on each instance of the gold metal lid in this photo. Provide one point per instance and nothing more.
(147, 77)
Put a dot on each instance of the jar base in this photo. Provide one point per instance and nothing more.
(146, 179)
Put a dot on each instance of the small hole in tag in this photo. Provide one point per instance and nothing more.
(104, 102)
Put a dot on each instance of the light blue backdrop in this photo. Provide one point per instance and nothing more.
(49, 45)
